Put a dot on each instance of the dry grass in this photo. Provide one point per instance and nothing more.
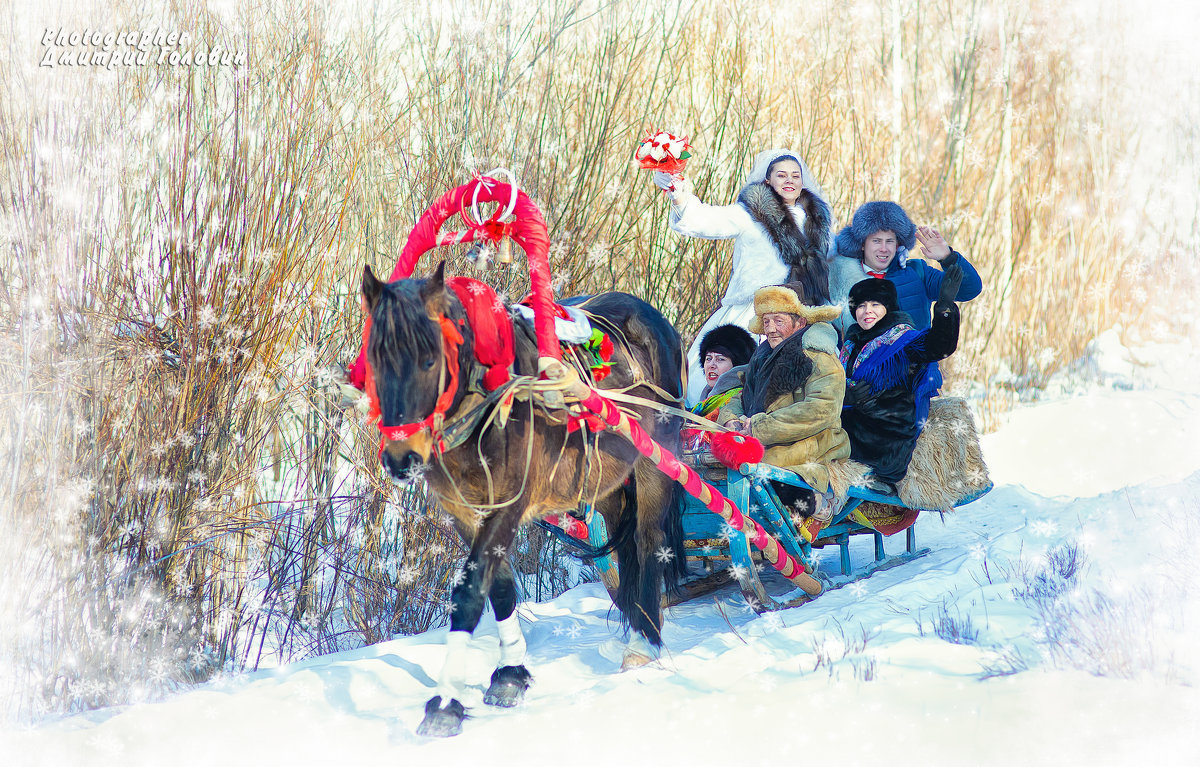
(182, 491)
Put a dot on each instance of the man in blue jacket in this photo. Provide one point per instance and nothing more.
(878, 243)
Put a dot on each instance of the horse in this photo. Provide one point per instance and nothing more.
(519, 466)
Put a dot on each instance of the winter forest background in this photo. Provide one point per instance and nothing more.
(182, 491)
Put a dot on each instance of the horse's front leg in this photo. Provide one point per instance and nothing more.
(444, 712)
(511, 679)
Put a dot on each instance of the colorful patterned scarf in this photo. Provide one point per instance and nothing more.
(883, 365)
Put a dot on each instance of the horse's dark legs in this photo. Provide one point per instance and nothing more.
(511, 679)
(444, 712)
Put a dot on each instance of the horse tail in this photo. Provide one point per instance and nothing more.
(629, 598)
(653, 559)
(673, 531)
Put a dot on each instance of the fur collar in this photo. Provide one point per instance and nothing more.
(804, 251)
(785, 369)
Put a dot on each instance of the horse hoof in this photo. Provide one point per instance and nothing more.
(634, 659)
(442, 722)
(508, 686)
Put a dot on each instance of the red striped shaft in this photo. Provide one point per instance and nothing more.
(778, 557)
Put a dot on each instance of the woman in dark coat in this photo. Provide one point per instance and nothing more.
(892, 373)
(722, 349)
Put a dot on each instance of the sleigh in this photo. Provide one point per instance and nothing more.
(728, 554)
(947, 473)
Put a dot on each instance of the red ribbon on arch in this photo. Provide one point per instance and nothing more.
(527, 230)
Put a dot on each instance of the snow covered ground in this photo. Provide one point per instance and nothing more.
(988, 650)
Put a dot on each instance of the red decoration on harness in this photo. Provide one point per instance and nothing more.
(527, 230)
(576, 528)
(492, 230)
(491, 326)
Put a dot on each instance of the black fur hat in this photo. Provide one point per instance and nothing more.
(730, 340)
(880, 291)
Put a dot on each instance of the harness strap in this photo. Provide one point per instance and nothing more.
(702, 423)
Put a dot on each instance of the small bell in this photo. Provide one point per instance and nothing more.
(505, 256)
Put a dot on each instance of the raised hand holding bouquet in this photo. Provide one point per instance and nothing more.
(666, 154)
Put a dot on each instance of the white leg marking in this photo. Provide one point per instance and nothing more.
(454, 672)
(512, 641)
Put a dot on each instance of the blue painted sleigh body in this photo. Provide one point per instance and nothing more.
(728, 554)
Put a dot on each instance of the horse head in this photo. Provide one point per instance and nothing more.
(406, 352)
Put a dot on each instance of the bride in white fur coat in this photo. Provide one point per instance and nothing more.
(780, 226)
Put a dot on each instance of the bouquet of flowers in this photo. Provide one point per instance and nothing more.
(663, 151)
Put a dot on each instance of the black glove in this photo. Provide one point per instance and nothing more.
(952, 278)
(856, 392)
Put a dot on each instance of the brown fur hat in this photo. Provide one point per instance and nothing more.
(787, 300)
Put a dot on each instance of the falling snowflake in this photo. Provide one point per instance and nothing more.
(663, 554)
(728, 531)
(739, 573)
(459, 577)
(197, 659)
(978, 551)
(414, 473)
(1044, 527)
(499, 550)
(574, 631)
(857, 588)
(772, 622)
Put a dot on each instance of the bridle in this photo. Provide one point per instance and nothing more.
(434, 423)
